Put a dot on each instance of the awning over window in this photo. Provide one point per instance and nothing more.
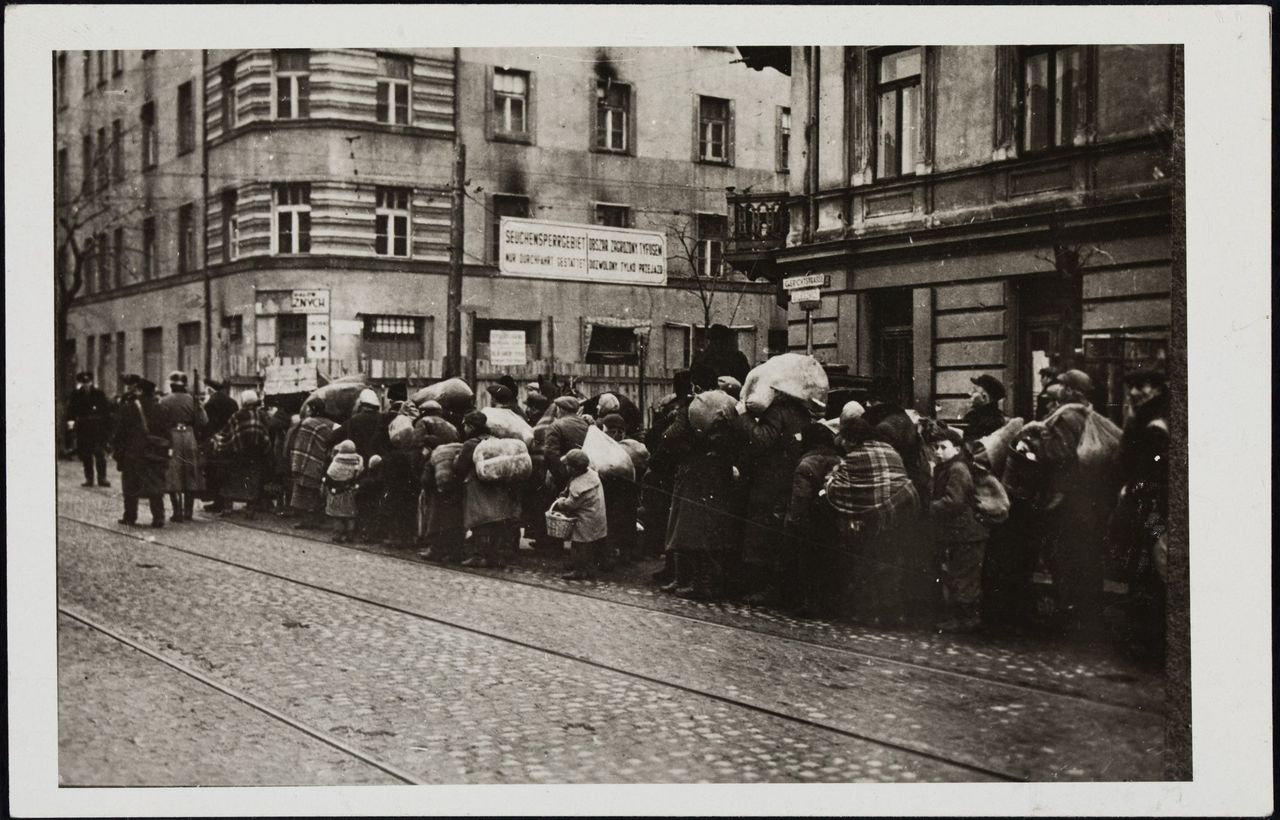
(762, 57)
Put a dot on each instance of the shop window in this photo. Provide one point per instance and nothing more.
(393, 89)
(613, 216)
(293, 84)
(897, 112)
(1053, 97)
(391, 222)
(709, 251)
(291, 335)
(293, 217)
(715, 124)
(393, 338)
(505, 205)
(510, 102)
(612, 345)
(532, 331)
(613, 116)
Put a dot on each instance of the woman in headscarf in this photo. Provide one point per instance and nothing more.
(246, 440)
(308, 458)
(185, 477)
(491, 510)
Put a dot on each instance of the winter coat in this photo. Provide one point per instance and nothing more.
(140, 476)
(808, 516)
(770, 451)
(899, 432)
(952, 503)
(982, 421)
(701, 518)
(1144, 446)
(219, 408)
(186, 418)
(91, 411)
(583, 499)
(565, 433)
(721, 361)
(309, 451)
(367, 430)
(484, 502)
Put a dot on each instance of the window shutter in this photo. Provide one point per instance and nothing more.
(729, 136)
(530, 109)
(696, 103)
(633, 122)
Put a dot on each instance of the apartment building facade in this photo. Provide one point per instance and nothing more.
(245, 207)
(976, 209)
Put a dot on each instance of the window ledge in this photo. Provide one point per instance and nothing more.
(520, 138)
(722, 162)
(599, 149)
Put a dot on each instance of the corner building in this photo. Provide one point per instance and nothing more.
(977, 209)
(284, 206)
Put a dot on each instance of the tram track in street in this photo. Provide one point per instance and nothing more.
(1092, 700)
(156, 540)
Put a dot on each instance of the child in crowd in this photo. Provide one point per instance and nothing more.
(583, 498)
(961, 538)
(341, 481)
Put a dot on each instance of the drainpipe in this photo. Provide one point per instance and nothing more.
(811, 183)
(204, 190)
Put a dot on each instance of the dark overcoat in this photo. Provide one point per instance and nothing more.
(140, 476)
(771, 448)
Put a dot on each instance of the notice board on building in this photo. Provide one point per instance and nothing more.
(506, 348)
(590, 253)
(289, 378)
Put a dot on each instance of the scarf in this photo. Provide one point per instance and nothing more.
(345, 469)
(308, 453)
(245, 434)
(871, 483)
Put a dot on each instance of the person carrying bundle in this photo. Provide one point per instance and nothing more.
(583, 499)
(441, 530)
(959, 538)
(491, 509)
(308, 455)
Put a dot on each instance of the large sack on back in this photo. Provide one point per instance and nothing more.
(442, 459)
(1099, 447)
(791, 374)
(340, 397)
(401, 431)
(993, 450)
(432, 431)
(502, 461)
(454, 395)
(991, 500)
(638, 452)
(504, 423)
(711, 406)
(608, 457)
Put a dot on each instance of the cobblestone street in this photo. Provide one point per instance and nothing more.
(449, 676)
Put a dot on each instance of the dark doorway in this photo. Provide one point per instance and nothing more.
(891, 346)
(1048, 327)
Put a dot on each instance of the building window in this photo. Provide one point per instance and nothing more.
(150, 139)
(117, 257)
(106, 369)
(612, 345)
(100, 160)
(121, 351)
(86, 163)
(89, 255)
(102, 255)
(613, 106)
(891, 345)
(117, 151)
(86, 66)
(709, 253)
(613, 216)
(784, 139)
(186, 238)
(291, 335)
(149, 260)
(102, 68)
(532, 331)
(293, 84)
(1053, 96)
(293, 217)
(510, 102)
(392, 338)
(227, 80)
(391, 222)
(233, 329)
(714, 124)
(153, 354)
(91, 357)
(189, 346)
(505, 205)
(393, 89)
(897, 112)
(186, 118)
(230, 227)
(117, 62)
(62, 80)
(62, 191)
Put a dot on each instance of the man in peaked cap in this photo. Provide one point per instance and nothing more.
(89, 411)
(984, 416)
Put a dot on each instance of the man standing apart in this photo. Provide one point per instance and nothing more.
(90, 412)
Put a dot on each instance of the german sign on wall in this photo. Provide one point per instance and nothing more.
(593, 253)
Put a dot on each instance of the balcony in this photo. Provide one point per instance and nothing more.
(758, 226)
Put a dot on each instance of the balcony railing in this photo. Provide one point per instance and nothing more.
(760, 221)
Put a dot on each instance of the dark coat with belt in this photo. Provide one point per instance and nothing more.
(771, 450)
(91, 411)
(982, 421)
(140, 476)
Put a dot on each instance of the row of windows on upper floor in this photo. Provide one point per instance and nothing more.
(510, 114)
(108, 258)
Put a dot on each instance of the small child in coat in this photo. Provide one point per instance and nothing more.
(960, 537)
(583, 498)
(341, 481)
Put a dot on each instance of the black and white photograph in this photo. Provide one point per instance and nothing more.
(562, 405)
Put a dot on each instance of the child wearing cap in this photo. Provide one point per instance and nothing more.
(341, 481)
(583, 498)
(960, 538)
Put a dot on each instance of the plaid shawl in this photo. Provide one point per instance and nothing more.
(245, 434)
(871, 484)
(308, 453)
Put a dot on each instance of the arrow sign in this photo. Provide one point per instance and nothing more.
(806, 282)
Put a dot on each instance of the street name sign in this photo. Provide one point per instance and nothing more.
(588, 253)
(806, 295)
(807, 282)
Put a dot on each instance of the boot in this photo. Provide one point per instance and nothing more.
(668, 572)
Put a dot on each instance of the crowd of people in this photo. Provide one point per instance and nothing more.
(867, 510)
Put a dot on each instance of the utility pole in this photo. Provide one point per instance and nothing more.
(204, 192)
(453, 308)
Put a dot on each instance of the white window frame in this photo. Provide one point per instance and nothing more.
(388, 85)
(502, 103)
(704, 255)
(600, 207)
(233, 237)
(606, 114)
(388, 205)
(784, 139)
(150, 136)
(296, 78)
(706, 128)
(186, 237)
(289, 200)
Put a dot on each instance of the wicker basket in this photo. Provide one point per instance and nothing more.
(560, 525)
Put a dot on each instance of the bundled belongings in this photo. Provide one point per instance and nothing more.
(401, 431)
(992, 450)
(791, 374)
(454, 395)
(638, 452)
(442, 458)
(340, 398)
(504, 423)
(992, 502)
(709, 407)
(608, 457)
(502, 461)
(871, 485)
(432, 431)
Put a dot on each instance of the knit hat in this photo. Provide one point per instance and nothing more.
(990, 384)
(607, 403)
(852, 410)
(576, 460)
(369, 398)
(476, 421)
(346, 447)
(569, 404)
(247, 399)
(614, 421)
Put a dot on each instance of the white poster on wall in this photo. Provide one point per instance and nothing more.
(592, 253)
(317, 335)
(506, 348)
